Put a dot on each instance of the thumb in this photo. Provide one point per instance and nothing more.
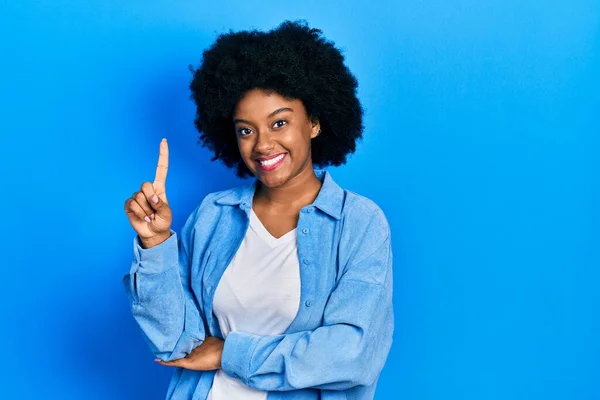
(161, 192)
(159, 203)
(181, 362)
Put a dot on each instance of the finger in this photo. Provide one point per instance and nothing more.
(157, 202)
(148, 192)
(162, 167)
(128, 209)
(141, 199)
(174, 363)
(133, 208)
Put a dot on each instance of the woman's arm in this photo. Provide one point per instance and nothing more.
(350, 348)
(160, 296)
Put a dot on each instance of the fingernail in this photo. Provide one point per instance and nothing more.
(155, 199)
(152, 216)
(146, 218)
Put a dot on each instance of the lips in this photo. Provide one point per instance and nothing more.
(270, 163)
(269, 158)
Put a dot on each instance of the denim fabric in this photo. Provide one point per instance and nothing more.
(338, 343)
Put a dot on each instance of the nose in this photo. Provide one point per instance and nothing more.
(264, 143)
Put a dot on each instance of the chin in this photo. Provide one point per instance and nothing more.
(272, 180)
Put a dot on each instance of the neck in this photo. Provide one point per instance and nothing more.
(294, 194)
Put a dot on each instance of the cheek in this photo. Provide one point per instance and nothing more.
(245, 153)
(296, 142)
(245, 148)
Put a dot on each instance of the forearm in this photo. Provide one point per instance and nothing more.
(348, 350)
(334, 357)
(159, 302)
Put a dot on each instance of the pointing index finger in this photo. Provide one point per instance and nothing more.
(162, 166)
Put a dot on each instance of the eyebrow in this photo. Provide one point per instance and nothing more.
(269, 116)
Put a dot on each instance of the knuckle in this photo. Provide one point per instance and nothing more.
(140, 213)
(128, 204)
(135, 207)
(138, 210)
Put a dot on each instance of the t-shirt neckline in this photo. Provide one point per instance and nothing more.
(261, 231)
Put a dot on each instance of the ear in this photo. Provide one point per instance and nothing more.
(316, 128)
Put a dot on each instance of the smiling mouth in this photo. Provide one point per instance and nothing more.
(272, 163)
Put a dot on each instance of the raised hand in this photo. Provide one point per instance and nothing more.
(148, 210)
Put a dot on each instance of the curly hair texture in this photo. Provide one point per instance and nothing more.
(292, 60)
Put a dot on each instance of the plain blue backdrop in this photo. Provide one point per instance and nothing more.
(481, 146)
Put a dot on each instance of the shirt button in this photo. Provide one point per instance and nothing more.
(305, 230)
(306, 261)
(308, 303)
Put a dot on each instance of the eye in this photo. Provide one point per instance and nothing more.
(241, 131)
(280, 120)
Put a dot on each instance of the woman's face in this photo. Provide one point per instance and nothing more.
(273, 135)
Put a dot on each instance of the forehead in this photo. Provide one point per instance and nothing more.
(259, 103)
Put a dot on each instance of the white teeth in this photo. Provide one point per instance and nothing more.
(271, 161)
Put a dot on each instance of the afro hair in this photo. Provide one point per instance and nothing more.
(292, 60)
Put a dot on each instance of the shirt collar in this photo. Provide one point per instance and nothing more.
(329, 200)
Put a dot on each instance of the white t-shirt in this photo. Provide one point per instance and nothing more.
(258, 293)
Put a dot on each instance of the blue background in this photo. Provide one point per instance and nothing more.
(481, 145)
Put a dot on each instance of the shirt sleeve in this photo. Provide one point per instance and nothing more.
(348, 350)
(160, 296)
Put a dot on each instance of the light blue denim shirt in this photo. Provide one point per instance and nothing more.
(339, 341)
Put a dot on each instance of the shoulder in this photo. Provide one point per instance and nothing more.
(361, 212)
(365, 240)
(208, 209)
(210, 198)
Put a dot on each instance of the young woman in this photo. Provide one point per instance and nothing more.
(280, 288)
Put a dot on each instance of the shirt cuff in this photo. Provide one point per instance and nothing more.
(156, 259)
(237, 352)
